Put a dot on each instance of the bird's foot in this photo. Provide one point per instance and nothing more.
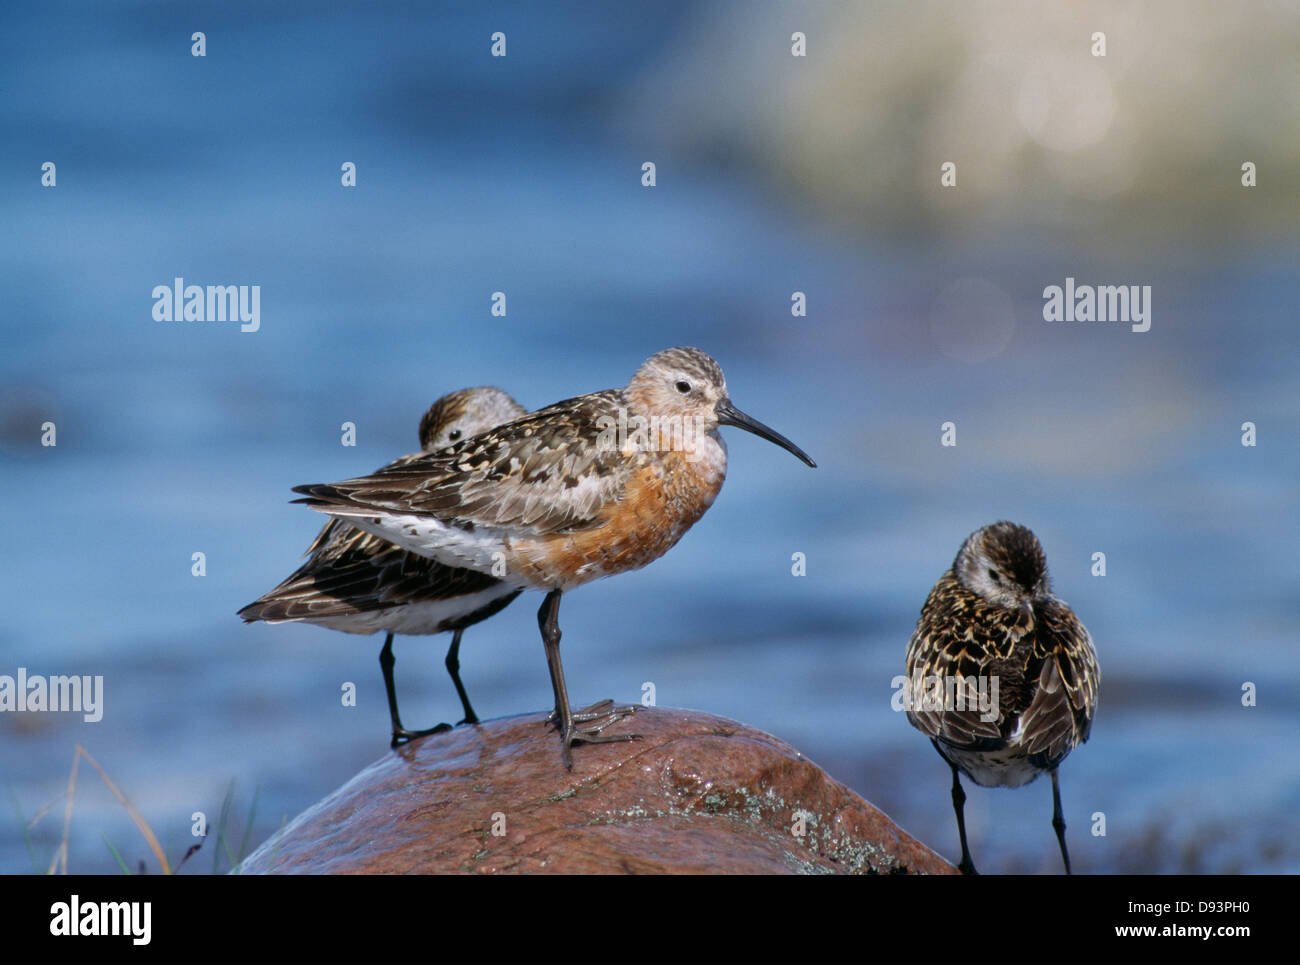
(403, 736)
(597, 711)
(967, 867)
(590, 735)
(598, 716)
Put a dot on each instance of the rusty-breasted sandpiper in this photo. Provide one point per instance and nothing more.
(1002, 676)
(582, 489)
(359, 583)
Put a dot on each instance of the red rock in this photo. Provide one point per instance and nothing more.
(697, 794)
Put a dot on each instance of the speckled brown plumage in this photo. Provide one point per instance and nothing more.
(561, 496)
(356, 582)
(993, 616)
(352, 573)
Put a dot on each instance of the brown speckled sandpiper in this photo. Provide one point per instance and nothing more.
(357, 582)
(992, 623)
(585, 488)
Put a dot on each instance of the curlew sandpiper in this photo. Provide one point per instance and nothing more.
(582, 489)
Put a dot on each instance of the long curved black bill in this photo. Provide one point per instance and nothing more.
(729, 415)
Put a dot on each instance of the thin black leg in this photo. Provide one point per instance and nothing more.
(967, 866)
(1058, 820)
(548, 621)
(400, 734)
(453, 668)
(386, 662)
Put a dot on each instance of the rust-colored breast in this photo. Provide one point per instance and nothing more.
(662, 500)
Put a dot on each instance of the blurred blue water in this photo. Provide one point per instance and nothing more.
(477, 176)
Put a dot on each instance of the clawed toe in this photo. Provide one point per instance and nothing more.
(601, 708)
(597, 711)
(592, 734)
(403, 736)
(606, 708)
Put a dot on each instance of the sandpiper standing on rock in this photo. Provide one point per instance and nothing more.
(359, 583)
(585, 488)
(991, 626)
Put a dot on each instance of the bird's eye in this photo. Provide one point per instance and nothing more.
(683, 387)
(453, 435)
(993, 575)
